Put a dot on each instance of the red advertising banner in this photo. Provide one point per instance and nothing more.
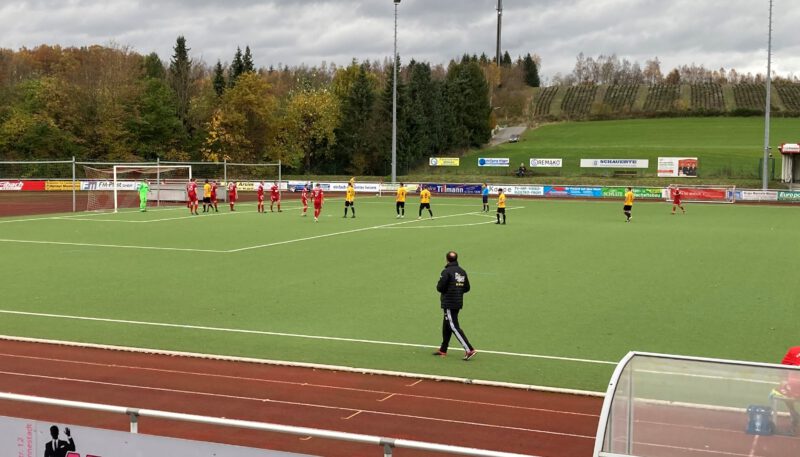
(16, 186)
(706, 194)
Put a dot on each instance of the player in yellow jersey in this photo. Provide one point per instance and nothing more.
(425, 201)
(349, 199)
(207, 197)
(400, 201)
(628, 204)
(501, 206)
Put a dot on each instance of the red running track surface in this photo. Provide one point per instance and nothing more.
(503, 419)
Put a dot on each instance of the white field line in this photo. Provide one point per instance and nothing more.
(118, 246)
(438, 226)
(49, 360)
(263, 400)
(290, 335)
(418, 377)
(345, 232)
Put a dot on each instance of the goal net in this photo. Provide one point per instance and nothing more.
(116, 187)
(703, 194)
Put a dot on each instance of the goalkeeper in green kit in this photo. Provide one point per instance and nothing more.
(144, 187)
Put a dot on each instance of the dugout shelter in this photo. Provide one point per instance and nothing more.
(790, 153)
(660, 405)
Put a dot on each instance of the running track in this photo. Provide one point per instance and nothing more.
(527, 422)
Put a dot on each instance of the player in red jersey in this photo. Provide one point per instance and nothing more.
(274, 196)
(260, 191)
(318, 198)
(304, 199)
(676, 201)
(233, 194)
(214, 186)
(191, 192)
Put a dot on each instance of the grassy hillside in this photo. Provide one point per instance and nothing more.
(729, 148)
(660, 100)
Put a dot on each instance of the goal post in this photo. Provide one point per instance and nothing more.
(702, 194)
(115, 186)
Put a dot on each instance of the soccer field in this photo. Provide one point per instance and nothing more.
(558, 295)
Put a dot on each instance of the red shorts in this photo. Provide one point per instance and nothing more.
(260, 198)
(193, 197)
(274, 198)
(317, 205)
(231, 198)
(305, 202)
(676, 202)
(213, 198)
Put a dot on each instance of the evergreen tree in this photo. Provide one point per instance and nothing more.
(219, 79)
(153, 67)
(247, 61)
(179, 69)
(468, 93)
(236, 68)
(531, 71)
(355, 146)
(419, 115)
(506, 59)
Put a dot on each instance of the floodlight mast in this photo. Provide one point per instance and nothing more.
(394, 99)
(499, 27)
(764, 175)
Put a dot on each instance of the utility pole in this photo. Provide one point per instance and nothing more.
(764, 174)
(499, 27)
(394, 99)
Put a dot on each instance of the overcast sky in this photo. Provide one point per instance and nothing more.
(715, 33)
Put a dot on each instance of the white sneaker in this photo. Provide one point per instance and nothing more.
(316, 220)
(398, 216)
(419, 218)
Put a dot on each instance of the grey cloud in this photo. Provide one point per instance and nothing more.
(715, 33)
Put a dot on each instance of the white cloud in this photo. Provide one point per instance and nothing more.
(714, 33)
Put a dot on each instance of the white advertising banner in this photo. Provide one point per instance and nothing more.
(531, 191)
(28, 438)
(677, 167)
(546, 163)
(109, 185)
(11, 185)
(493, 162)
(615, 163)
(757, 195)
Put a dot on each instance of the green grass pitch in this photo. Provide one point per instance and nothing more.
(564, 279)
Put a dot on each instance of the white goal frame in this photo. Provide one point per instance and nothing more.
(158, 169)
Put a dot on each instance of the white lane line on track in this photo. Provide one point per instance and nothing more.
(292, 335)
(292, 403)
(387, 394)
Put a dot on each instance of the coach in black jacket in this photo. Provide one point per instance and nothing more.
(453, 284)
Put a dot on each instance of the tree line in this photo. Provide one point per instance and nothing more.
(610, 69)
(109, 103)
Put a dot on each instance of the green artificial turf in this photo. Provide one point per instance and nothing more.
(564, 279)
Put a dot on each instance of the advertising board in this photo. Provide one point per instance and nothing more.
(649, 193)
(789, 196)
(615, 163)
(569, 191)
(757, 195)
(109, 185)
(62, 185)
(493, 162)
(466, 189)
(23, 437)
(546, 163)
(444, 161)
(677, 167)
(530, 191)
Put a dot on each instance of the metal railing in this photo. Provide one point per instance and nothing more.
(387, 444)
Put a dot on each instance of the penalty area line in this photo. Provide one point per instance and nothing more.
(290, 335)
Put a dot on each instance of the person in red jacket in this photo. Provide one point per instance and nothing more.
(789, 390)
